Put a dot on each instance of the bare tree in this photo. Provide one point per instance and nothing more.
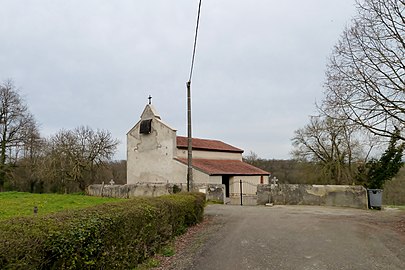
(331, 143)
(15, 119)
(366, 74)
(119, 171)
(74, 155)
(26, 175)
(251, 158)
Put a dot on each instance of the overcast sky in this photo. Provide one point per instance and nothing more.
(259, 66)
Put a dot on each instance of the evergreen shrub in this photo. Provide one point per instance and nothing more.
(116, 235)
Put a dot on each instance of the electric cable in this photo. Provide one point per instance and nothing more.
(195, 41)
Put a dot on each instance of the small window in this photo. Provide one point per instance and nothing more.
(146, 127)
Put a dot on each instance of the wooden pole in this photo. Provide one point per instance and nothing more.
(241, 192)
(189, 141)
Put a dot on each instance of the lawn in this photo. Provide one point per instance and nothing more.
(13, 204)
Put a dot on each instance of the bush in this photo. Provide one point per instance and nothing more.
(394, 190)
(389, 164)
(116, 235)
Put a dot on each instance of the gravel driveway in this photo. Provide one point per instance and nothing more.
(295, 237)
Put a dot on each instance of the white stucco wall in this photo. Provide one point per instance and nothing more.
(150, 156)
(182, 153)
(215, 179)
(179, 173)
(200, 177)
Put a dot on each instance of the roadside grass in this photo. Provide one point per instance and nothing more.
(209, 202)
(148, 264)
(17, 204)
(400, 207)
(166, 251)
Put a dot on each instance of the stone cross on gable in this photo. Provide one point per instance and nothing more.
(150, 99)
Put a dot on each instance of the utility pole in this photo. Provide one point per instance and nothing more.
(189, 137)
(189, 141)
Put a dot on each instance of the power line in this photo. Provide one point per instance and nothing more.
(195, 40)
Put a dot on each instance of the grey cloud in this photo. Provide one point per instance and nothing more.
(259, 64)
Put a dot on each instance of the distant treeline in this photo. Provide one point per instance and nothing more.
(111, 170)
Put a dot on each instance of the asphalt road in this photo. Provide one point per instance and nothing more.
(295, 237)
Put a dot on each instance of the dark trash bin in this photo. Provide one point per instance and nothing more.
(374, 198)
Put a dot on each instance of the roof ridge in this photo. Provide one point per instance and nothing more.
(224, 166)
(207, 144)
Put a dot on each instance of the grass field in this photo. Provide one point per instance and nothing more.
(13, 204)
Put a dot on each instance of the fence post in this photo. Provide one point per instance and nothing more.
(241, 192)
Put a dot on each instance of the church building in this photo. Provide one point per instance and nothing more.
(155, 154)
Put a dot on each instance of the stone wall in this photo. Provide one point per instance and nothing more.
(329, 195)
(213, 192)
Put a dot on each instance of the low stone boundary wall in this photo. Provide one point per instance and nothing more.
(213, 192)
(135, 190)
(297, 194)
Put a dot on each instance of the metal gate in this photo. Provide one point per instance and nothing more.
(242, 192)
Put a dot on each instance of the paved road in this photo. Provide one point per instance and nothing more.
(295, 237)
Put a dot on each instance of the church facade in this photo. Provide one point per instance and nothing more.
(155, 154)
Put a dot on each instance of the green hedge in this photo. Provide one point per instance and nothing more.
(109, 236)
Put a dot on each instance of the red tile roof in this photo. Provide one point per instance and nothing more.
(207, 145)
(225, 167)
